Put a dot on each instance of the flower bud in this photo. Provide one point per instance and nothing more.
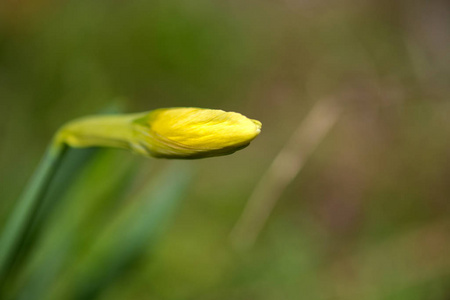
(169, 133)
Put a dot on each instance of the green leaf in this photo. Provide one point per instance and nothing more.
(136, 231)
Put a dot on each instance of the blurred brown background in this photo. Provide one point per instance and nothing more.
(368, 214)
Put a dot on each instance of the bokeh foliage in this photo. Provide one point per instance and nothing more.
(366, 218)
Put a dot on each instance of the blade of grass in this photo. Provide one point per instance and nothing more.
(73, 163)
(50, 179)
(134, 232)
(284, 168)
(18, 225)
(100, 183)
(70, 167)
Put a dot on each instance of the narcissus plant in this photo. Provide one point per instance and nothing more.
(180, 133)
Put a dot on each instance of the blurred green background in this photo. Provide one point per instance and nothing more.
(368, 215)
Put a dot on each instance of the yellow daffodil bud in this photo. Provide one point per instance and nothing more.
(169, 133)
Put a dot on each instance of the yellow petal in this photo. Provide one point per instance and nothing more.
(204, 128)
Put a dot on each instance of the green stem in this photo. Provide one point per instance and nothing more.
(19, 223)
